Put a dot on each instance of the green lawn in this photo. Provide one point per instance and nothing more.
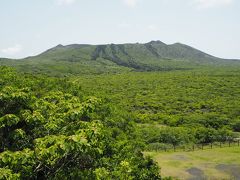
(219, 163)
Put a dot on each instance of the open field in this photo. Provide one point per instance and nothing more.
(220, 163)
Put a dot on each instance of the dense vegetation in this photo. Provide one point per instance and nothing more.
(177, 107)
(50, 129)
(98, 126)
(87, 111)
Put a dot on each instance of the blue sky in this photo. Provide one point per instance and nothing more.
(28, 27)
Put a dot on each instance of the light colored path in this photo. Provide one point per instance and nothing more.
(218, 163)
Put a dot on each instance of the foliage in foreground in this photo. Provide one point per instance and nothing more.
(45, 133)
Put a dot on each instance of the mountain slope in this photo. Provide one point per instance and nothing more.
(89, 59)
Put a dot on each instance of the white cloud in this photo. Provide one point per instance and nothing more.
(212, 3)
(152, 27)
(12, 50)
(65, 2)
(131, 3)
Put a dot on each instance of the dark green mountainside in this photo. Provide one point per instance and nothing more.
(110, 58)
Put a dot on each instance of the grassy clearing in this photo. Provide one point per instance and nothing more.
(219, 163)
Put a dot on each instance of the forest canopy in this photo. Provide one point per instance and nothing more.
(99, 126)
(51, 134)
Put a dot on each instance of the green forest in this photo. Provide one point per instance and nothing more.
(51, 129)
(96, 111)
(99, 126)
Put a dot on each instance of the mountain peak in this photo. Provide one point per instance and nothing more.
(59, 46)
(151, 56)
(157, 42)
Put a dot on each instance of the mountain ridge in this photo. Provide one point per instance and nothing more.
(151, 56)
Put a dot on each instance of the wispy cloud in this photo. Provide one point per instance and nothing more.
(65, 2)
(130, 3)
(212, 3)
(12, 50)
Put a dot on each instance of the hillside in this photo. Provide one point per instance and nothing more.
(112, 58)
(98, 126)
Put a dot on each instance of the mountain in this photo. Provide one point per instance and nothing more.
(110, 58)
